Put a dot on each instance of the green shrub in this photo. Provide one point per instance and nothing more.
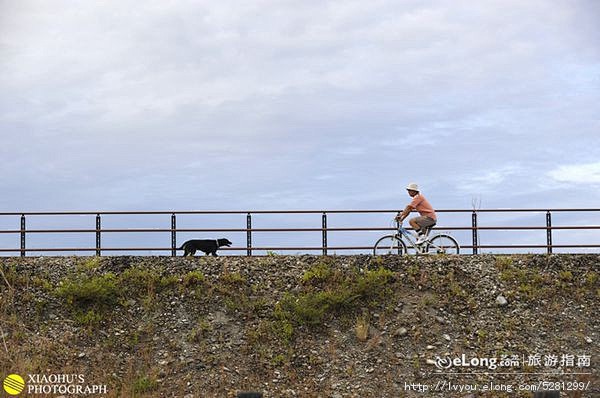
(89, 264)
(139, 280)
(318, 273)
(373, 283)
(305, 309)
(591, 278)
(339, 294)
(97, 290)
(193, 278)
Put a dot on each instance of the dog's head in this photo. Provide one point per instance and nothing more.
(224, 242)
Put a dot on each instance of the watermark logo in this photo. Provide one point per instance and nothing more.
(52, 384)
(514, 361)
(13, 384)
(463, 361)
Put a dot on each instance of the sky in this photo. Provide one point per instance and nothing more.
(240, 105)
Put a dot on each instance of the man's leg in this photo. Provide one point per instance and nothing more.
(420, 224)
(415, 225)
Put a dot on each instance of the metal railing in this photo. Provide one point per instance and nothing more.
(474, 228)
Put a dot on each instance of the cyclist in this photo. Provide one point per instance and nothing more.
(427, 216)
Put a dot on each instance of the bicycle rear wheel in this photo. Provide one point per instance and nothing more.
(389, 244)
(442, 244)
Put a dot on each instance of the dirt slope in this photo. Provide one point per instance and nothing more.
(301, 326)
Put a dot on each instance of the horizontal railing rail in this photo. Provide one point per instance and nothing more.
(220, 212)
(473, 228)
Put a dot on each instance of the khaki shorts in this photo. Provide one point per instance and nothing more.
(424, 221)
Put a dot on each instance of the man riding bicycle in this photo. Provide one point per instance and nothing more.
(427, 216)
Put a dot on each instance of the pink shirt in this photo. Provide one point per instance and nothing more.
(422, 205)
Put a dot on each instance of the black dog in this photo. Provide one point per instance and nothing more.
(208, 246)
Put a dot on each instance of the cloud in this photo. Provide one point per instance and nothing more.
(490, 180)
(285, 98)
(588, 173)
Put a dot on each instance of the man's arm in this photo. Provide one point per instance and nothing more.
(401, 216)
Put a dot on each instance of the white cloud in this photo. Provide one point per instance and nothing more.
(588, 173)
(491, 180)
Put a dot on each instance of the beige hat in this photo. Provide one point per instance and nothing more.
(412, 187)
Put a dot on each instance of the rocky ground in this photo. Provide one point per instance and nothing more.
(304, 326)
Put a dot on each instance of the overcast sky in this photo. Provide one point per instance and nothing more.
(198, 105)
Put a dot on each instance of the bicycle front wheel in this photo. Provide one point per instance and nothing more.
(389, 244)
(442, 244)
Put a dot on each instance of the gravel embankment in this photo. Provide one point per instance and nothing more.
(303, 326)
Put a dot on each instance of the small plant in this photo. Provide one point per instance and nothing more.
(565, 276)
(306, 309)
(481, 335)
(503, 262)
(278, 360)
(416, 362)
(377, 261)
(318, 273)
(233, 278)
(284, 329)
(362, 327)
(591, 278)
(144, 384)
(42, 283)
(89, 318)
(456, 290)
(11, 277)
(203, 327)
(91, 264)
(427, 300)
(139, 280)
(193, 278)
(413, 271)
(373, 283)
(168, 281)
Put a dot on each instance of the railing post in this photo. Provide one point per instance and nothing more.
(173, 235)
(22, 235)
(474, 224)
(549, 231)
(249, 235)
(98, 235)
(324, 233)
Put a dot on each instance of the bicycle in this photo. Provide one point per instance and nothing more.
(403, 241)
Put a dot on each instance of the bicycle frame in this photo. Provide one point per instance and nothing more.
(409, 237)
(420, 248)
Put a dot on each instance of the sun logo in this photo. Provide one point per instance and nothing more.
(13, 384)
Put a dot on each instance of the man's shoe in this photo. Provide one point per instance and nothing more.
(421, 239)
